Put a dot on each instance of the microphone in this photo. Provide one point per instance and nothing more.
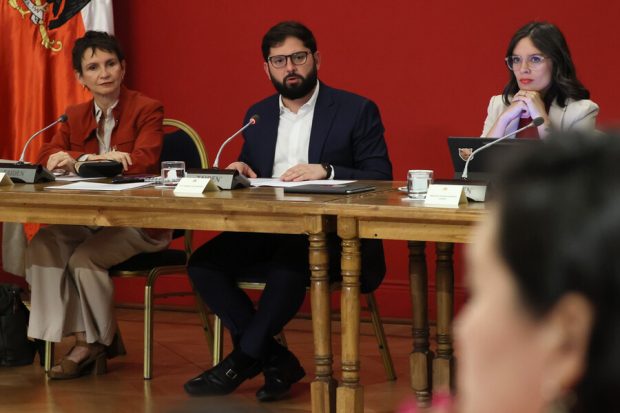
(251, 122)
(225, 178)
(535, 122)
(28, 173)
(61, 118)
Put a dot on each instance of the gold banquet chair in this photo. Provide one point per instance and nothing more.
(181, 144)
(371, 308)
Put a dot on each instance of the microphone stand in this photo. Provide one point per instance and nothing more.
(251, 122)
(476, 190)
(61, 118)
(22, 172)
(225, 178)
(536, 122)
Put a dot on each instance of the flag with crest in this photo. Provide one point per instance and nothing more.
(37, 81)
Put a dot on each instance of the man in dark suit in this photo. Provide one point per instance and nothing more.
(307, 131)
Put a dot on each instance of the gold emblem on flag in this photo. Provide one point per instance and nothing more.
(39, 16)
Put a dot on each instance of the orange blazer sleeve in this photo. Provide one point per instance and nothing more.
(146, 149)
(60, 142)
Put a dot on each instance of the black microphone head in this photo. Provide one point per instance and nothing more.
(538, 121)
(254, 119)
(63, 118)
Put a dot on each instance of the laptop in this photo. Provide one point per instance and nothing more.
(486, 162)
(340, 189)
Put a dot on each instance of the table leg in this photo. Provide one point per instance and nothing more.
(421, 357)
(443, 365)
(323, 388)
(350, 396)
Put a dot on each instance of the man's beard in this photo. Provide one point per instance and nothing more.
(298, 90)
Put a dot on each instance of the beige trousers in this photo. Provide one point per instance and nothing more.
(14, 244)
(71, 291)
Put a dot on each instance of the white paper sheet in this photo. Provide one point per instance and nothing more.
(96, 186)
(279, 183)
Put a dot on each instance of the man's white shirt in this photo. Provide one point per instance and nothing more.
(294, 131)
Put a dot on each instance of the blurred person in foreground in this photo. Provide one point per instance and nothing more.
(541, 330)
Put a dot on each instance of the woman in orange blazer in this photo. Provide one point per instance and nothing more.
(67, 265)
(135, 139)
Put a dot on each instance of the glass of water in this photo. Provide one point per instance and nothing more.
(172, 172)
(418, 181)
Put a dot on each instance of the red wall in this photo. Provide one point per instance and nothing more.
(431, 66)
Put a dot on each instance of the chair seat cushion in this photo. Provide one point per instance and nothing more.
(148, 260)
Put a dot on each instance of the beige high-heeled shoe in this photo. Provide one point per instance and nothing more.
(95, 363)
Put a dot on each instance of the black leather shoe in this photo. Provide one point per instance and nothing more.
(221, 379)
(280, 371)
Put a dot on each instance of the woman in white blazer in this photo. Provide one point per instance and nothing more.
(543, 83)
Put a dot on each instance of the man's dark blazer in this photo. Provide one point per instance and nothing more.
(347, 133)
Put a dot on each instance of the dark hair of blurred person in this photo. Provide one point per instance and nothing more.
(542, 327)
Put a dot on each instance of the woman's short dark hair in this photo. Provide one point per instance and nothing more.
(559, 232)
(94, 41)
(551, 42)
(278, 34)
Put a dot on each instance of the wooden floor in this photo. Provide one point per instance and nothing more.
(181, 352)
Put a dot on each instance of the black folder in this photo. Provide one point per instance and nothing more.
(342, 189)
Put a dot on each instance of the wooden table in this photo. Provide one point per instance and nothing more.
(388, 215)
(254, 210)
(380, 214)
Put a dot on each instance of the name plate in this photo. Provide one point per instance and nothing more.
(193, 186)
(450, 196)
(5, 180)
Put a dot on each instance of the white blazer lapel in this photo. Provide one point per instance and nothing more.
(556, 115)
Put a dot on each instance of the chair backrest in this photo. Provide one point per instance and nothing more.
(183, 144)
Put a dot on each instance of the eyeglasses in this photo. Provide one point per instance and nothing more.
(297, 58)
(533, 62)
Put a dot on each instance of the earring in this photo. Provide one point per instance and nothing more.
(558, 400)
(562, 404)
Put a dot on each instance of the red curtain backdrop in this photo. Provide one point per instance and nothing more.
(431, 66)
